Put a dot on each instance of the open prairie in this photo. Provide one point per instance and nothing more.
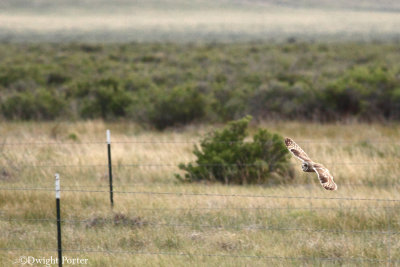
(162, 75)
(158, 220)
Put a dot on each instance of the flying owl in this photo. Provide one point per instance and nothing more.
(308, 165)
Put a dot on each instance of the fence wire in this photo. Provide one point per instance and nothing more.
(137, 184)
(176, 165)
(204, 194)
(388, 232)
(157, 141)
(313, 208)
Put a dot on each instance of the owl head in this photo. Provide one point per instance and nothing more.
(305, 166)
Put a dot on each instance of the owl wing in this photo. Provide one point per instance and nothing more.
(296, 150)
(325, 177)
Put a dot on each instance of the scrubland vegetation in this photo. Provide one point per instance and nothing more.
(299, 221)
(164, 85)
(167, 105)
(225, 156)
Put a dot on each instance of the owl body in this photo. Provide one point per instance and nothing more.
(310, 166)
(324, 176)
(307, 167)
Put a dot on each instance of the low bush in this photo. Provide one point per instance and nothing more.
(179, 106)
(282, 100)
(38, 105)
(106, 102)
(364, 92)
(225, 157)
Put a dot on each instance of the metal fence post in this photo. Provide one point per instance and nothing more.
(58, 219)
(110, 167)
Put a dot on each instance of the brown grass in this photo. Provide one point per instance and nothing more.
(196, 224)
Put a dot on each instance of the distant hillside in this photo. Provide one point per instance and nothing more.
(198, 20)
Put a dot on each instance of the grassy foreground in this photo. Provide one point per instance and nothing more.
(301, 225)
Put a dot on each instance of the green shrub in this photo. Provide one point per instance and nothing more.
(19, 106)
(42, 104)
(106, 102)
(225, 157)
(73, 137)
(364, 92)
(56, 78)
(180, 106)
(12, 74)
(229, 104)
(282, 100)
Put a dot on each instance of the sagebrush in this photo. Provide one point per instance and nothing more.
(166, 85)
(224, 156)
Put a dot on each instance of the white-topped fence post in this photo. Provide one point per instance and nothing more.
(110, 167)
(58, 219)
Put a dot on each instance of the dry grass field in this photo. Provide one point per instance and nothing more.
(158, 220)
(197, 224)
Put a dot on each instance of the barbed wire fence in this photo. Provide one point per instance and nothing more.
(388, 234)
